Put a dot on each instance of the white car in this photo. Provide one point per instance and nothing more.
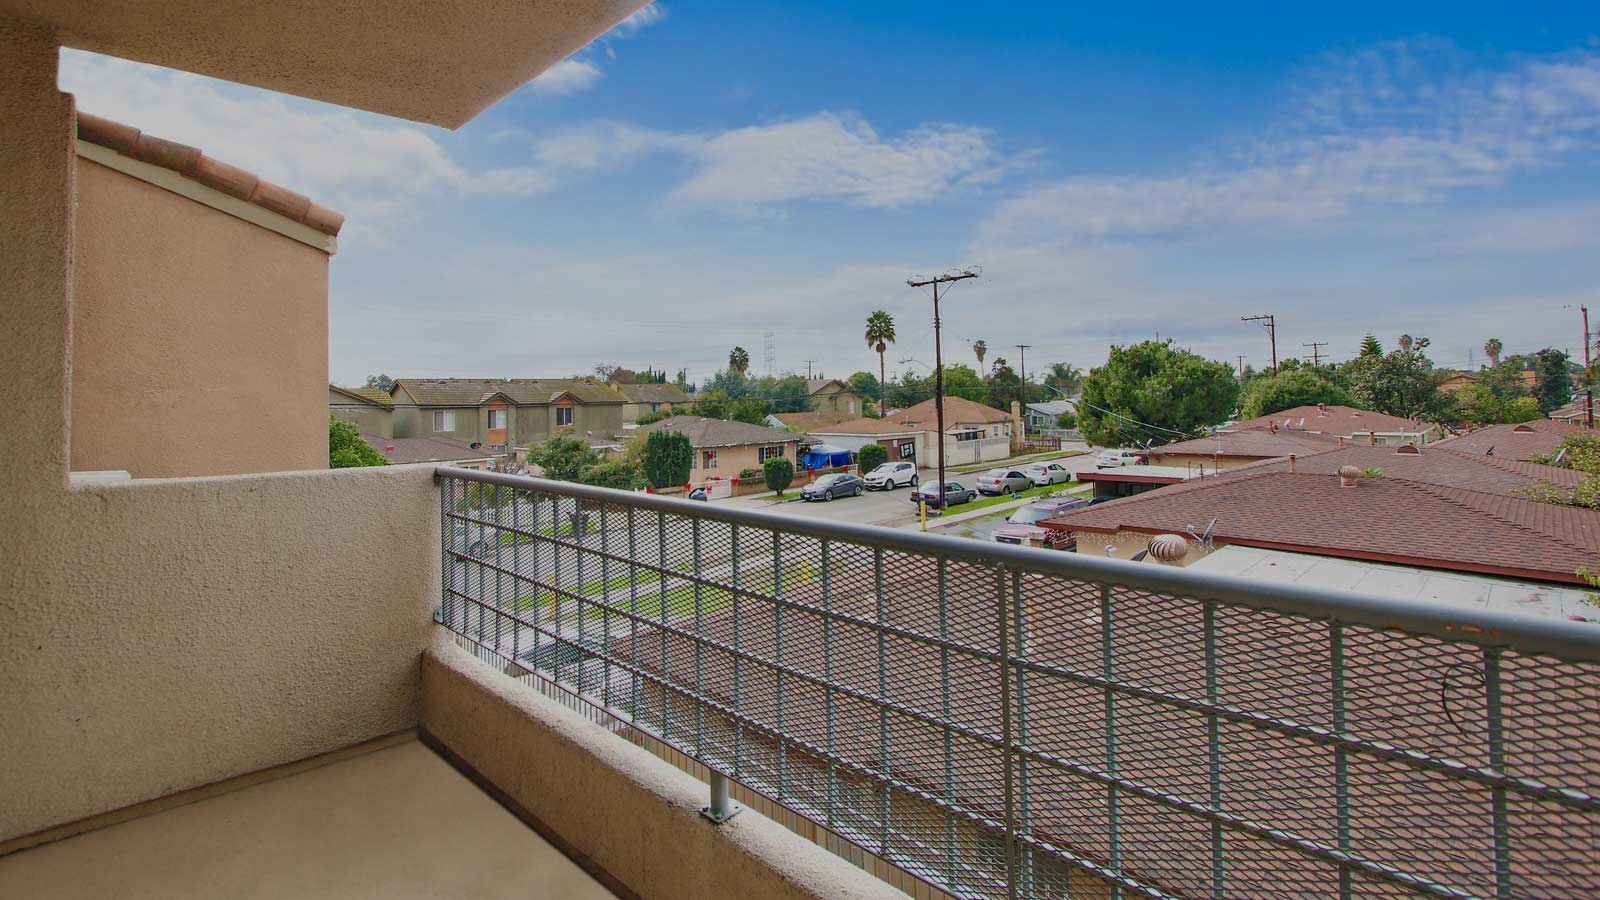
(891, 475)
(1044, 473)
(1110, 459)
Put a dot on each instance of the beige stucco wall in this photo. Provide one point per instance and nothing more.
(163, 634)
(200, 341)
(631, 813)
(733, 460)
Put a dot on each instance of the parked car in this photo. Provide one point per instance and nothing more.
(838, 484)
(1022, 526)
(954, 494)
(1111, 459)
(1044, 473)
(1003, 481)
(891, 475)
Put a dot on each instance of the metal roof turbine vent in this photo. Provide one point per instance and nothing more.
(1168, 549)
(1349, 476)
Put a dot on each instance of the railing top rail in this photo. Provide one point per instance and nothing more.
(1526, 634)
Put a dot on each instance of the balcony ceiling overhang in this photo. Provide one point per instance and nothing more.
(436, 61)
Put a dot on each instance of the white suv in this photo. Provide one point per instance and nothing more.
(891, 475)
(1110, 459)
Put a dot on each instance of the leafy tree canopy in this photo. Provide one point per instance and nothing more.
(618, 473)
(1370, 346)
(1286, 390)
(381, 382)
(346, 449)
(1400, 383)
(1552, 379)
(668, 457)
(1065, 377)
(872, 456)
(778, 473)
(563, 458)
(864, 383)
(1152, 391)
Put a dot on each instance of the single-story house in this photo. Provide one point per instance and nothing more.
(1231, 449)
(401, 451)
(806, 421)
(903, 442)
(1347, 422)
(724, 449)
(973, 432)
(1044, 415)
(1574, 413)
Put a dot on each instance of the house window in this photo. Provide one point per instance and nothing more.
(497, 418)
(765, 453)
(563, 416)
(852, 407)
(968, 435)
(709, 459)
(444, 421)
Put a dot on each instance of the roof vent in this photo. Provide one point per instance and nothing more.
(476, 445)
(1524, 428)
(1348, 476)
(1168, 549)
(1408, 450)
(1322, 409)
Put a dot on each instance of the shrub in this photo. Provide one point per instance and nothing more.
(563, 458)
(656, 416)
(779, 473)
(1066, 420)
(872, 456)
(346, 449)
(668, 457)
(618, 473)
(751, 473)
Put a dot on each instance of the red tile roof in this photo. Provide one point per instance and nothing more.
(956, 410)
(194, 165)
(1338, 420)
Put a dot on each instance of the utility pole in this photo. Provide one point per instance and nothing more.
(1316, 355)
(938, 359)
(1023, 349)
(1588, 376)
(1270, 323)
(808, 368)
(1241, 367)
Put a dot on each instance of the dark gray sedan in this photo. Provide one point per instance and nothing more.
(839, 484)
(953, 494)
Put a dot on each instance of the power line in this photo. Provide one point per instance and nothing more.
(1270, 322)
(1316, 348)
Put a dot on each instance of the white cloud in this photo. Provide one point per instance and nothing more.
(644, 18)
(1373, 130)
(566, 77)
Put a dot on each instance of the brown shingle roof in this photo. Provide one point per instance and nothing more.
(1256, 443)
(1340, 420)
(423, 449)
(809, 421)
(816, 384)
(521, 391)
(705, 432)
(869, 426)
(192, 164)
(1512, 442)
(651, 393)
(956, 410)
(366, 395)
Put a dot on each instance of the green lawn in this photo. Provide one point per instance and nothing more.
(1033, 493)
(1014, 461)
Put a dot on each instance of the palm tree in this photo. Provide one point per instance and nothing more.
(1491, 349)
(880, 334)
(739, 361)
(982, 349)
(1405, 342)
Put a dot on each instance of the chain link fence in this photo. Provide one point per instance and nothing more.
(1010, 722)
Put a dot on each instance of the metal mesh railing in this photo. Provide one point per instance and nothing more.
(1008, 722)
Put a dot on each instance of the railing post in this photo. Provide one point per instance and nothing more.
(1503, 885)
(1219, 878)
(721, 808)
(1108, 670)
(884, 811)
(1007, 745)
(1341, 758)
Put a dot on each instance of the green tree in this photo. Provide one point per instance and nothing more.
(910, 389)
(381, 382)
(668, 457)
(1477, 403)
(1400, 383)
(1552, 379)
(1491, 349)
(1522, 409)
(880, 334)
(739, 360)
(1004, 385)
(1067, 420)
(731, 382)
(621, 474)
(1370, 346)
(872, 456)
(1505, 380)
(563, 458)
(346, 449)
(1152, 391)
(1066, 378)
(1288, 389)
(787, 395)
(778, 472)
(651, 417)
(980, 349)
(869, 386)
(963, 381)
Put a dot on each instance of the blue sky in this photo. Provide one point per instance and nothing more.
(711, 171)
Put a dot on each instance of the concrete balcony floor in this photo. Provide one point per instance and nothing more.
(394, 823)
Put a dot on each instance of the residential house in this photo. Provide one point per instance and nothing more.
(1126, 481)
(723, 449)
(904, 442)
(833, 395)
(1347, 422)
(405, 451)
(369, 409)
(1231, 449)
(804, 422)
(649, 397)
(200, 312)
(973, 432)
(1523, 441)
(1046, 414)
(1574, 413)
(1455, 381)
(505, 413)
(1434, 508)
